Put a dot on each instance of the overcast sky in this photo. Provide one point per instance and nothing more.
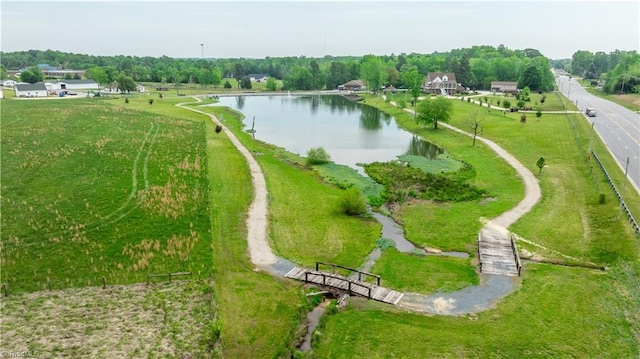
(316, 28)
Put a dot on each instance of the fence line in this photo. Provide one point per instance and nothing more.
(576, 138)
(632, 220)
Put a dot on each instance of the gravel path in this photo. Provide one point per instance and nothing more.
(257, 219)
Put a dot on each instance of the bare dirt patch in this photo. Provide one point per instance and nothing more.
(163, 319)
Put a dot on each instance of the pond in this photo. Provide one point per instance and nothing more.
(350, 132)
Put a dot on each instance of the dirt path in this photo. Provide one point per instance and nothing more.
(257, 219)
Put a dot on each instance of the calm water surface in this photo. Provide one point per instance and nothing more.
(352, 133)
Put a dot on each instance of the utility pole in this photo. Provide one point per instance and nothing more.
(622, 88)
(202, 47)
(626, 168)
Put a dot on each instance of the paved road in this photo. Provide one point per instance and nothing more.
(617, 126)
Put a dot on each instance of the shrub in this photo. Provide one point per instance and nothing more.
(227, 84)
(538, 114)
(520, 103)
(318, 156)
(506, 104)
(353, 202)
(384, 243)
(523, 118)
(150, 101)
(272, 85)
(126, 100)
(602, 199)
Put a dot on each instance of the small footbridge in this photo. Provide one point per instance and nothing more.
(354, 283)
(498, 254)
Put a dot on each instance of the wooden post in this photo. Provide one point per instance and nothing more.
(349, 287)
(317, 266)
(104, 283)
(369, 292)
(360, 276)
(6, 292)
(324, 279)
(378, 281)
(306, 276)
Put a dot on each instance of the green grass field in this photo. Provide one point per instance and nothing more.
(558, 312)
(90, 190)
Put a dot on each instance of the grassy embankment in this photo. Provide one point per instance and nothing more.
(554, 303)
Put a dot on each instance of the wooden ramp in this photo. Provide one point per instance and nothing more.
(351, 286)
(498, 255)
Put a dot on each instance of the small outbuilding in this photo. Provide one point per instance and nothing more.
(31, 90)
(76, 85)
(504, 86)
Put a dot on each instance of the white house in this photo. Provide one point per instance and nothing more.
(257, 77)
(8, 83)
(31, 90)
(76, 85)
(140, 88)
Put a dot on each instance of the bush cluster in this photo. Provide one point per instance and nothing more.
(318, 156)
(402, 182)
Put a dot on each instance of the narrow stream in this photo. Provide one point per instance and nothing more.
(313, 319)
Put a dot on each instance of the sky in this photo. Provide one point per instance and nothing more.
(258, 29)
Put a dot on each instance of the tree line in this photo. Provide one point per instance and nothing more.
(475, 68)
(617, 71)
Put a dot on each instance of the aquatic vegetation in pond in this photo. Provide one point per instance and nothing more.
(403, 182)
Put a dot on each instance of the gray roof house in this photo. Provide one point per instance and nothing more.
(31, 90)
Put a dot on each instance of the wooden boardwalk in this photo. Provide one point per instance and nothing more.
(498, 255)
(351, 286)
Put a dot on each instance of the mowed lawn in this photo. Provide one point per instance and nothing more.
(92, 190)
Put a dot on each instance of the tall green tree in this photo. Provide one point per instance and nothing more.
(462, 70)
(238, 74)
(315, 72)
(204, 77)
(216, 76)
(413, 81)
(531, 77)
(97, 74)
(298, 79)
(32, 75)
(271, 84)
(372, 71)
(126, 83)
(338, 74)
(432, 111)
